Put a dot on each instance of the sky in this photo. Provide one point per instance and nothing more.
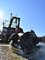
(31, 12)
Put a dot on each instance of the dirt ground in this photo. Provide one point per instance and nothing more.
(7, 53)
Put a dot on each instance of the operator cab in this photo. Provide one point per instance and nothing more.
(14, 22)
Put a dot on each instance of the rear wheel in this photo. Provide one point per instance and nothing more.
(28, 42)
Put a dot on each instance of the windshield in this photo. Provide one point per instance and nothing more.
(13, 25)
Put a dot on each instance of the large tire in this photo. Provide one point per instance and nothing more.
(28, 42)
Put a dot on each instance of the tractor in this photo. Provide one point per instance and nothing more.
(11, 28)
(14, 33)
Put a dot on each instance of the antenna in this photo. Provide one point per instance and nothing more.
(11, 15)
